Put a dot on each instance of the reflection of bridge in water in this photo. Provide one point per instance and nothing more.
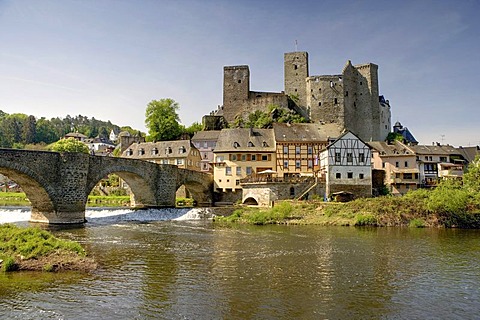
(58, 184)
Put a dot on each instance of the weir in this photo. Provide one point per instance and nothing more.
(58, 184)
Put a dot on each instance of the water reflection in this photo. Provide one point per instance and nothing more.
(170, 270)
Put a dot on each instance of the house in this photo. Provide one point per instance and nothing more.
(76, 135)
(239, 153)
(100, 145)
(114, 135)
(438, 161)
(298, 146)
(181, 153)
(346, 164)
(398, 161)
(205, 142)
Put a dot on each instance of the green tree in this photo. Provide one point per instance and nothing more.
(471, 178)
(162, 120)
(194, 127)
(45, 132)
(29, 130)
(69, 145)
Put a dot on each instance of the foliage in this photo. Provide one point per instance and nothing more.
(365, 220)
(162, 120)
(193, 128)
(264, 120)
(392, 136)
(69, 145)
(448, 197)
(260, 216)
(9, 265)
(416, 223)
(471, 178)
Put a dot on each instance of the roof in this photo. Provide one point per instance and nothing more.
(75, 135)
(469, 153)
(305, 132)
(395, 148)
(436, 149)
(161, 146)
(246, 140)
(345, 133)
(406, 134)
(206, 135)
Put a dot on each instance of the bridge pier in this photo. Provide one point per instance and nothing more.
(58, 217)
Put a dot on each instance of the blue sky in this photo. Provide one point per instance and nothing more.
(107, 59)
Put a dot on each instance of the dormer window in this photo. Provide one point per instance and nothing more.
(264, 144)
(141, 152)
(250, 144)
(236, 144)
(129, 152)
(182, 149)
(168, 150)
(154, 151)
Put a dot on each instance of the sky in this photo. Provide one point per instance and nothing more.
(108, 59)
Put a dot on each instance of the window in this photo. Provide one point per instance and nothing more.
(254, 157)
(233, 157)
(346, 93)
(237, 182)
(335, 101)
(297, 164)
(361, 157)
(406, 164)
(264, 157)
(165, 161)
(244, 157)
(239, 81)
(239, 171)
(236, 144)
(349, 175)
(292, 191)
(285, 164)
(349, 157)
(297, 150)
(309, 150)
(338, 175)
(361, 176)
(168, 150)
(154, 151)
(383, 164)
(310, 164)
(443, 159)
(250, 144)
(249, 171)
(264, 144)
(397, 164)
(141, 152)
(319, 104)
(179, 161)
(130, 152)
(228, 171)
(285, 149)
(407, 176)
(295, 67)
(220, 159)
(182, 150)
(338, 157)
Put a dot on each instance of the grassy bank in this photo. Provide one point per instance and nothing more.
(412, 210)
(38, 250)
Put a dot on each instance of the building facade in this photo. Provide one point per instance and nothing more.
(205, 142)
(346, 164)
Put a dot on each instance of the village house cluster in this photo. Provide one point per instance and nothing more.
(343, 150)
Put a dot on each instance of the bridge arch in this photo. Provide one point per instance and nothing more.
(38, 191)
(198, 184)
(143, 195)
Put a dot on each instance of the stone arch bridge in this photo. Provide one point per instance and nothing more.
(58, 184)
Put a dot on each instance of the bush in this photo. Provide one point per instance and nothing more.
(416, 223)
(9, 265)
(365, 220)
(448, 197)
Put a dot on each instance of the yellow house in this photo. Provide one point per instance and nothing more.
(298, 146)
(239, 153)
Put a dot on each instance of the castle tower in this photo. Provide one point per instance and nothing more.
(236, 88)
(295, 74)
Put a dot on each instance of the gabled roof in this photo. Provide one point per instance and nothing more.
(206, 135)
(246, 140)
(344, 134)
(469, 153)
(305, 132)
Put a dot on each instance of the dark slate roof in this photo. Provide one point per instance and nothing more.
(406, 134)
(246, 140)
(436, 149)
(305, 132)
(206, 135)
(161, 147)
(469, 153)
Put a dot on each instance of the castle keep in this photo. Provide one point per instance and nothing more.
(350, 99)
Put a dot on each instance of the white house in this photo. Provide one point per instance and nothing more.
(346, 164)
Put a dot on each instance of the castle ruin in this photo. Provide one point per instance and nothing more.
(350, 99)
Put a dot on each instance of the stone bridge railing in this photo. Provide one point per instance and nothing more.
(58, 184)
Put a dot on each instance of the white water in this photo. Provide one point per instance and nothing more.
(109, 215)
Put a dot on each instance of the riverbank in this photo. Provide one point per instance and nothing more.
(33, 249)
(407, 211)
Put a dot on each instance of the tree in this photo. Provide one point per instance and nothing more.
(471, 178)
(45, 132)
(69, 145)
(162, 120)
(29, 130)
(194, 127)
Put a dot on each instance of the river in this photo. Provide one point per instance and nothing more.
(155, 267)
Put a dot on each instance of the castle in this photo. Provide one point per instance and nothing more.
(350, 99)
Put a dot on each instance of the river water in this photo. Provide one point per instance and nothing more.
(154, 267)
